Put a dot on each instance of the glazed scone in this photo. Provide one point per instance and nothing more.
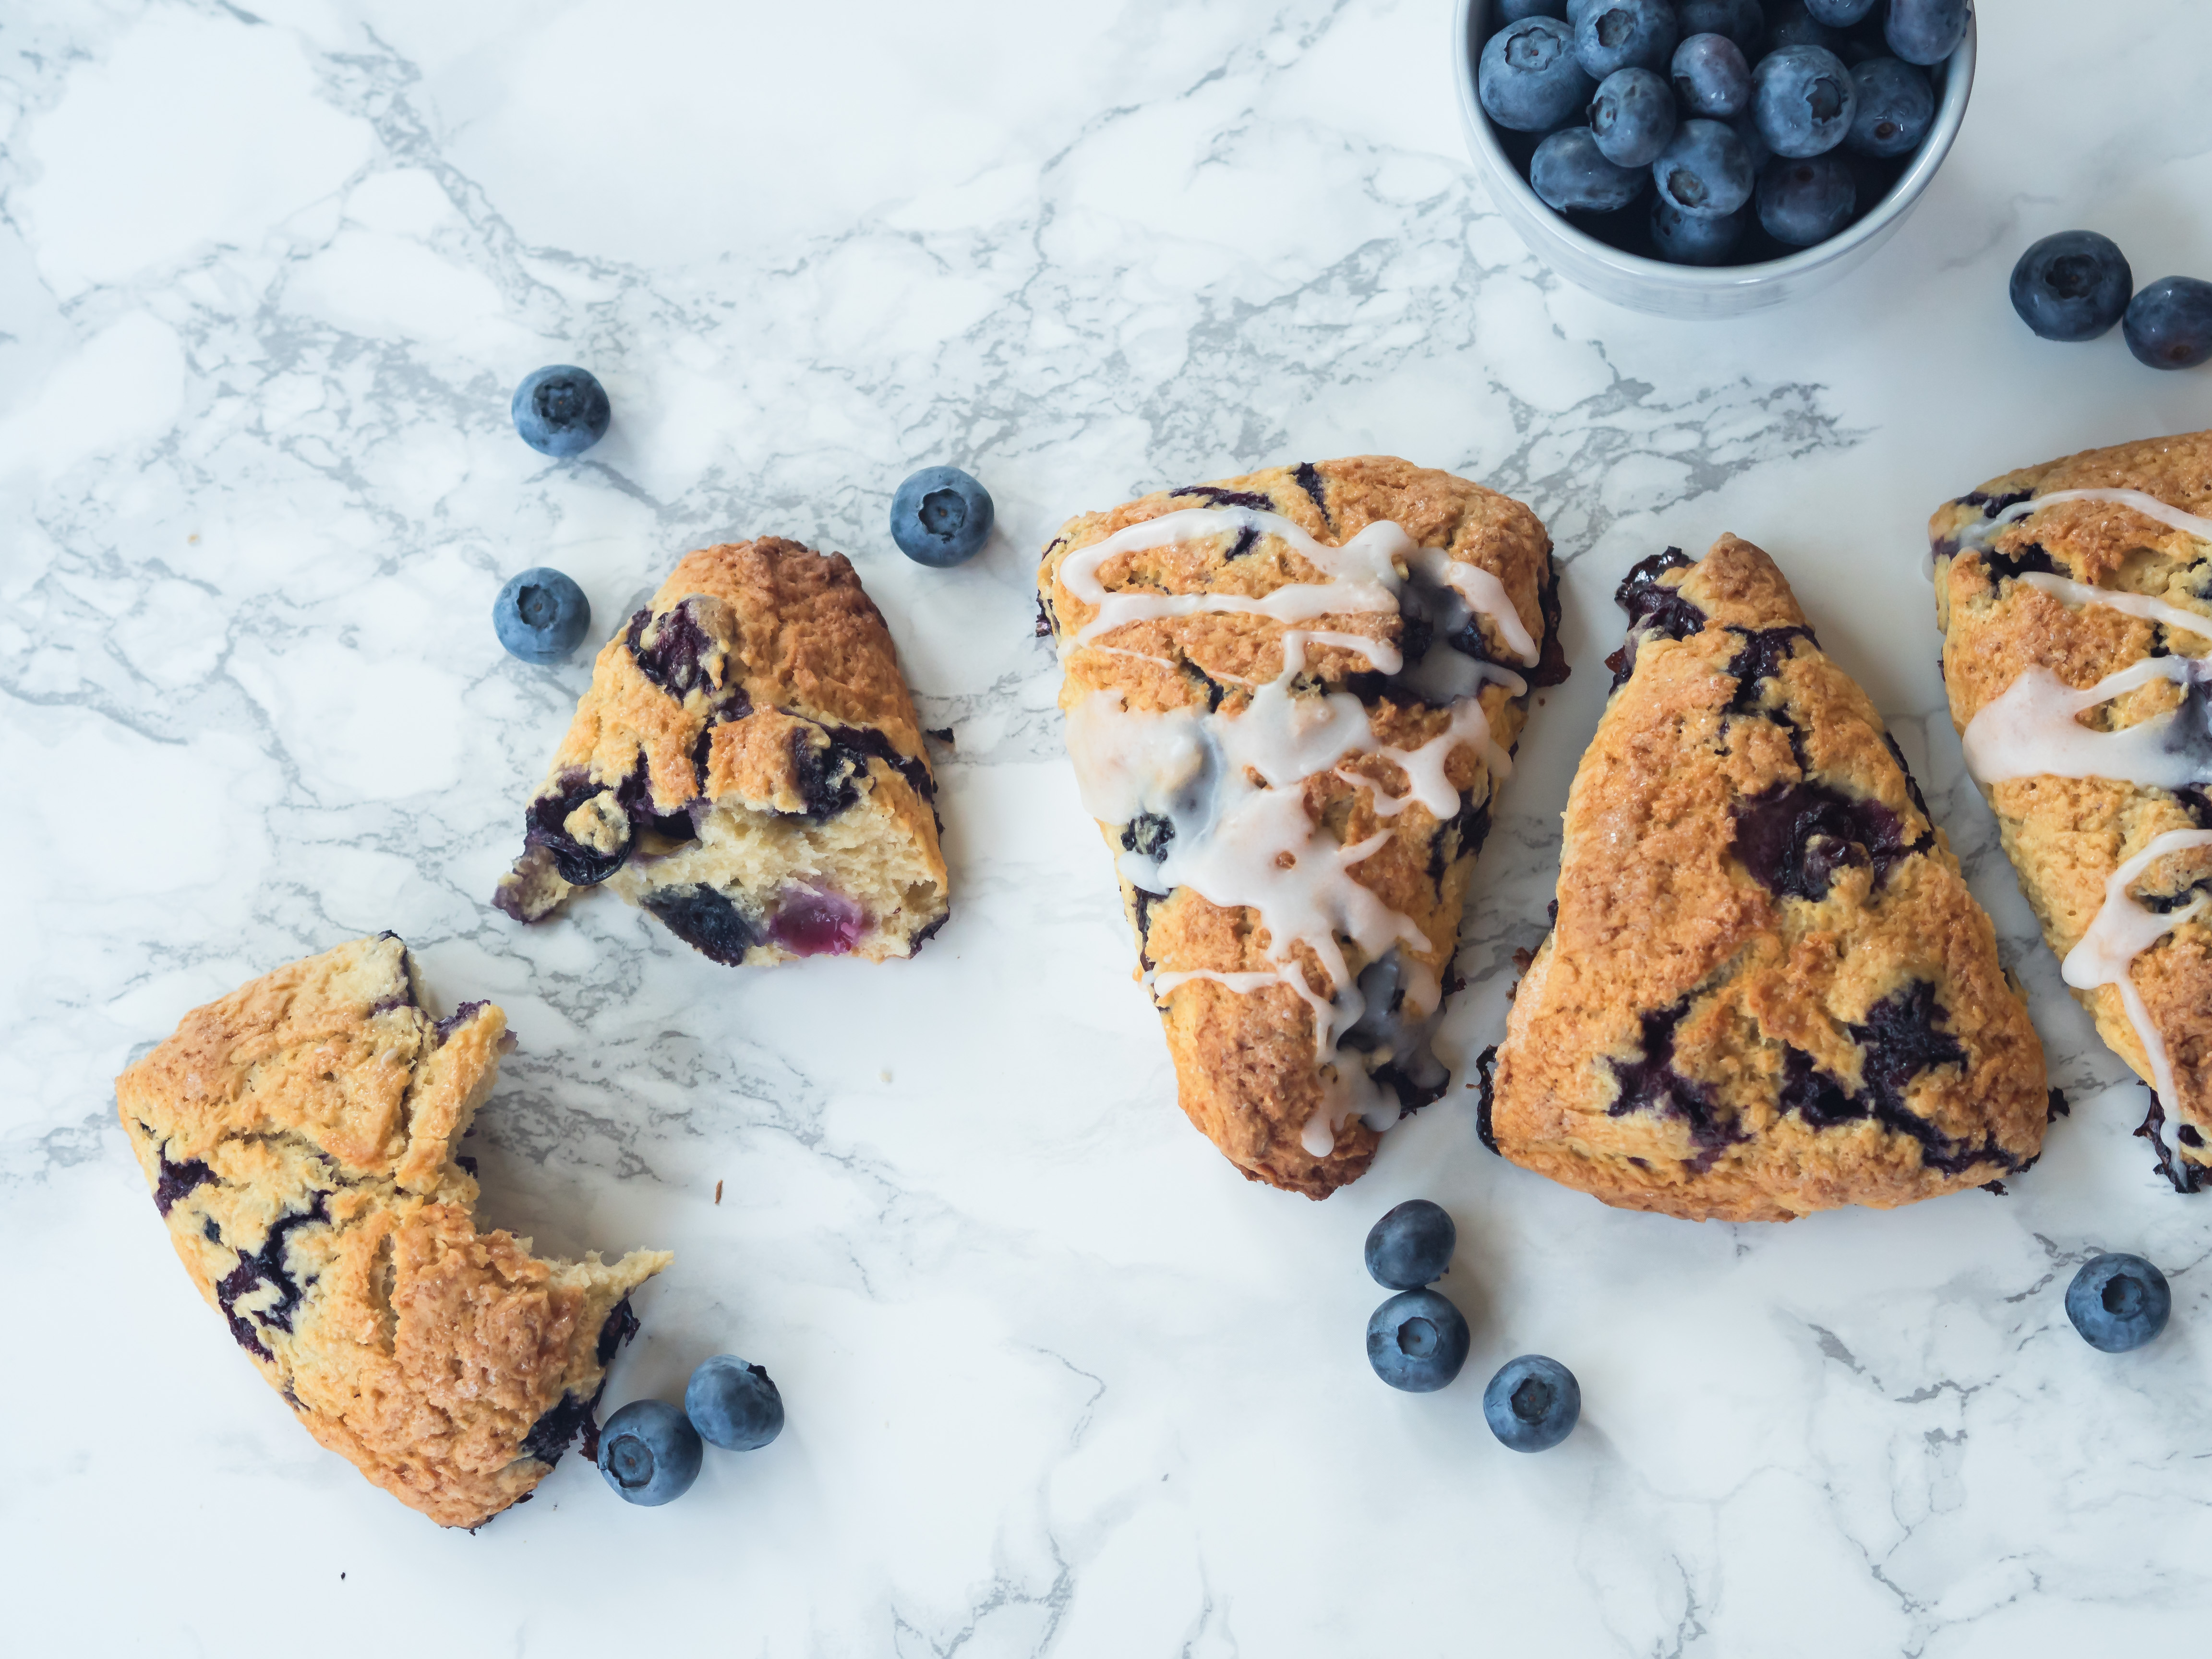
(747, 766)
(2076, 601)
(298, 1137)
(1767, 990)
(1290, 697)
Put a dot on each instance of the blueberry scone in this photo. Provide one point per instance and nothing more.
(1767, 990)
(2076, 601)
(747, 766)
(298, 1137)
(1290, 698)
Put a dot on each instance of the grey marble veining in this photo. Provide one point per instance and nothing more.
(1060, 1383)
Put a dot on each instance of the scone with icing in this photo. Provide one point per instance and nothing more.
(298, 1136)
(2076, 601)
(1290, 699)
(747, 767)
(1767, 990)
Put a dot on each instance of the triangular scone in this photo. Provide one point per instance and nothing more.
(1289, 699)
(2076, 601)
(1767, 991)
(298, 1137)
(746, 765)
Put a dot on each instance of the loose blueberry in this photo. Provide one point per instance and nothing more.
(1412, 1245)
(2072, 286)
(1839, 13)
(560, 410)
(1712, 78)
(1695, 240)
(1571, 173)
(1705, 171)
(1512, 11)
(2169, 323)
(1803, 99)
(941, 517)
(1895, 108)
(541, 615)
(1529, 79)
(1533, 1403)
(1926, 31)
(1806, 201)
(1794, 25)
(1417, 1341)
(1626, 34)
(1632, 118)
(2118, 1302)
(733, 1405)
(1741, 20)
(649, 1452)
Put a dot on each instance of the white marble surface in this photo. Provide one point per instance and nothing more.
(1059, 1381)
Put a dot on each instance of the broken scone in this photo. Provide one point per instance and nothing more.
(2076, 601)
(1290, 697)
(1767, 990)
(298, 1137)
(747, 766)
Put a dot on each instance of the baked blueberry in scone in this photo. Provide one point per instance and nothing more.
(299, 1135)
(2076, 601)
(1290, 697)
(747, 766)
(1767, 990)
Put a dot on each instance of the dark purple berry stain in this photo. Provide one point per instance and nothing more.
(1652, 608)
(453, 1022)
(1148, 835)
(1412, 1072)
(1759, 659)
(1486, 1071)
(178, 1180)
(210, 1232)
(706, 919)
(1651, 1084)
(1310, 480)
(573, 1414)
(545, 824)
(1459, 836)
(1552, 667)
(1216, 497)
(1911, 786)
(1795, 837)
(1994, 505)
(267, 1267)
(1045, 627)
(2058, 1108)
(1247, 539)
(2181, 1174)
(635, 796)
(823, 775)
(2012, 566)
(868, 740)
(673, 659)
(812, 923)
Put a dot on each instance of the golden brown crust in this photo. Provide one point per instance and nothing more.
(1767, 991)
(1246, 1060)
(298, 1135)
(2066, 837)
(759, 689)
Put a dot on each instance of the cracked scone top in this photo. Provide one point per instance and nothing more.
(1767, 990)
(2076, 601)
(747, 767)
(1290, 697)
(298, 1135)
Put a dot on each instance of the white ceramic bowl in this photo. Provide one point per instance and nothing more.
(1693, 291)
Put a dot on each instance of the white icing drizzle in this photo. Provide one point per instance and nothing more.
(2031, 731)
(1230, 787)
(2069, 591)
(1979, 535)
(2121, 931)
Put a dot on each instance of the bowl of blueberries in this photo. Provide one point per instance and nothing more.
(1704, 158)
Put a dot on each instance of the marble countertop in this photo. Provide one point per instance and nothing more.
(1059, 1381)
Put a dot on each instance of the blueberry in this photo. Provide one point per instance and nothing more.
(1512, 11)
(1410, 1246)
(649, 1452)
(1807, 200)
(2118, 1302)
(541, 615)
(1706, 170)
(1571, 173)
(1632, 118)
(1896, 106)
(1533, 1403)
(1695, 240)
(560, 410)
(1754, 147)
(1417, 1341)
(1926, 31)
(1626, 34)
(1839, 13)
(941, 517)
(1803, 99)
(2169, 323)
(1529, 79)
(1794, 25)
(2072, 286)
(733, 1405)
(1712, 76)
(1741, 20)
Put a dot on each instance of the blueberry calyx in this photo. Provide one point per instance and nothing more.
(941, 517)
(1533, 1403)
(2118, 1302)
(541, 615)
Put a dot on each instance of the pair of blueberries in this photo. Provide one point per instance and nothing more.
(650, 1451)
(2077, 284)
(1418, 1340)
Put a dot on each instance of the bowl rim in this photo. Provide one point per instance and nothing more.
(1500, 171)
